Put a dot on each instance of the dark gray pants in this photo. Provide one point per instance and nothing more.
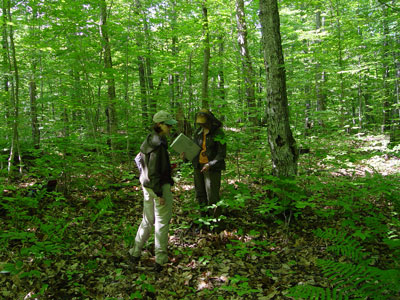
(207, 186)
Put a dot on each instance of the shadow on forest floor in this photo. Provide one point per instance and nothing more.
(275, 234)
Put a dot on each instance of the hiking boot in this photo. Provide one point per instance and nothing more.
(158, 268)
(134, 260)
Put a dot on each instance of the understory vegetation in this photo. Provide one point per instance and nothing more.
(330, 233)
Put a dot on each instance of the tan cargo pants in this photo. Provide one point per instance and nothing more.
(159, 216)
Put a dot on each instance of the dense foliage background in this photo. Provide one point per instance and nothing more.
(80, 81)
(88, 71)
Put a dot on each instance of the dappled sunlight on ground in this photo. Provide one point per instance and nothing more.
(373, 142)
(385, 162)
(232, 129)
(384, 165)
(362, 156)
(378, 164)
(184, 187)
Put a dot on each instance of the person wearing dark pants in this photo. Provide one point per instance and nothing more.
(207, 186)
(209, 163)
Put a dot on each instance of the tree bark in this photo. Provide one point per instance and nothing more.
(247, 66)
(141, 61)
(320, 74)
(308, 110)
(282, 144)
(206, 57)
(5, 76)
(221, 76)
(152, 102)
(14, 95)
(335, 11)
(190, 79)
(395, 130)
(387, 109)
(34, 118)
(33, 87)
(110, 108)
(173, 77)
(143, 90)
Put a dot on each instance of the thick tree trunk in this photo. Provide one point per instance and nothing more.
(110, 108)
(206, 57)
(282, 144)
(247, 66)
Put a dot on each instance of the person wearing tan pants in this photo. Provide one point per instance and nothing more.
(155, 176)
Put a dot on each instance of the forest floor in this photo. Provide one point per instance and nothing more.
(275, 234)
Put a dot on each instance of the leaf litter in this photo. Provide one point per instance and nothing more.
(75, 250)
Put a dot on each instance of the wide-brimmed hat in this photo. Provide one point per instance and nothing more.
(164, 117)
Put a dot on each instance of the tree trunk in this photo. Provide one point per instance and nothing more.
(33, 87)
(14, 95)
(5, 76)
(190, 79)
(146, 117)
(395, 130)
(206, 60)
(221, 76)
(308, 109)
(98, 107)
(247, 66)
(387, 109)
(308, 120)
(143, 90)
(172, 78)
(335, 11)
(76, 94)
(110, 108)
(152, 101)
(359, 98)
(282, 144)
(34, 118)
(319, 74)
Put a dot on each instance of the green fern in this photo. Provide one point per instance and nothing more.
(348, 280)
(360, 280)
(354, 281)
(317, 293)
(342, 244)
